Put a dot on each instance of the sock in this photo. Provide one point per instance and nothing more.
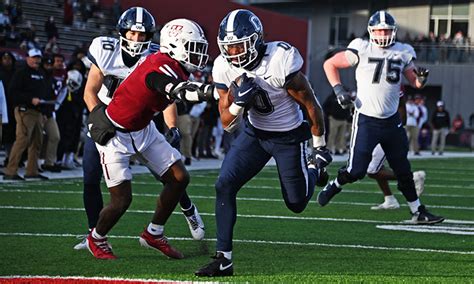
(336, 183)
(96, 235)
(155, 230)
(414, 205)
(227, 254)
(188, 212)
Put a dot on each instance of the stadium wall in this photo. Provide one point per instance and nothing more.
(209, 13)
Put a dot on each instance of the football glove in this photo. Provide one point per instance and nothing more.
(323, 177)
(173, 136)
(344, 97)
(244, 92)
(321, 157)
(421, 74)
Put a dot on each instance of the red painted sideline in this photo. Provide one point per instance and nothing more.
(74, 280)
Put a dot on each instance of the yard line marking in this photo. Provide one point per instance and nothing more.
(238, 198)
(82, 279)
(375, 192)
(276, 178)
(208, 214)
(356, 246)
(345, 190)
(430, 229)
(238, 215)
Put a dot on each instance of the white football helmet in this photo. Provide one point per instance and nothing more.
(74, 80)
(184, 40)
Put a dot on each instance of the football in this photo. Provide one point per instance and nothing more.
(235, 83)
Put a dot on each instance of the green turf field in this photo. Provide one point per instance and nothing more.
(343, 242)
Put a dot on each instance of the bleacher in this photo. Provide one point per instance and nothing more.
(70, 37)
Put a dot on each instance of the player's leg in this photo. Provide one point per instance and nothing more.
(364, 138)
(296, 179)
(243, 161)
(395, 145)
(118, 178)
(92, 195)
(382, 175)
(164, 161)
(92, 168)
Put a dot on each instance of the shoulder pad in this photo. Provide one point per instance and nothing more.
(357, 44)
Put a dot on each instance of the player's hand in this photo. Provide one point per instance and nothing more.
(344, 97)
(173, 136)
(321, 157)
(244, 91)
(421, 74)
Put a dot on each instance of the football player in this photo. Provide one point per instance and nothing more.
(112, 61)
(274, 93)
(380, 63)
(382, 174)
(125, 128)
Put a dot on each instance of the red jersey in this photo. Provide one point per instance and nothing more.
(134, 104)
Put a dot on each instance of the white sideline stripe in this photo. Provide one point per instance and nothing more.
(249, 186)
(276, 179)
(265, 242)
(207, 214)
(238, 215)
(345, 190)
(430, 229)
(92, 278)
(239, 198)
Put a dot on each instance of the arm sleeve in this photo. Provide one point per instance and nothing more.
(161, 82)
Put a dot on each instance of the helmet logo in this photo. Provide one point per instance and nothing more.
(255, 22)
(175, 30)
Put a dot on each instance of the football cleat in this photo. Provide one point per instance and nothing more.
(159, 243)
(387, 205)
(220, 266)
(82, 244)
(195, 223)
(328, 193)
(419, 179)
(99, 248)
(423, 217)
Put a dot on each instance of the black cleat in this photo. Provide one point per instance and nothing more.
(220, 266)
(36, 177)
(12, 177)
(423, 217)
(328, 193)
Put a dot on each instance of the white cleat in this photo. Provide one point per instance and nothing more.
(387, 205)
(82, 244)
(196, 225)
(419, 179)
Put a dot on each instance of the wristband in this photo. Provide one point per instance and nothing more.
(235, 109)
(319, 141)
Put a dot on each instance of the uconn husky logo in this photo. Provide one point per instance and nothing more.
(175, 30)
